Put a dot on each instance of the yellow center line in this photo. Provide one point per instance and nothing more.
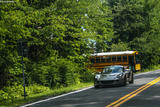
(130, 93)
(134, 93)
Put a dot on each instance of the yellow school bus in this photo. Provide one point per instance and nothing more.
(128, 59)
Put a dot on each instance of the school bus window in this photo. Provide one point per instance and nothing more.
(119, 58)
(131, 60)
(108, 59)
(103, 59)
(97, 59)
(113, 58)
(92, 60)
(124, 58)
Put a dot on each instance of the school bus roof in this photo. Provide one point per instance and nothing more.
(115, 53)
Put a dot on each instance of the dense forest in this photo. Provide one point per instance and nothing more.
(58, 36)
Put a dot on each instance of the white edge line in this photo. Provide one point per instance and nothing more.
(147, 72)
(56, 97)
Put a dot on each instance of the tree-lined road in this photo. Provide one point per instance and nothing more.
(146, 96)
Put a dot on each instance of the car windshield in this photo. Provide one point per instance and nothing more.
(112, 69)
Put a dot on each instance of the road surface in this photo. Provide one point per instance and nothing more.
(145, 92)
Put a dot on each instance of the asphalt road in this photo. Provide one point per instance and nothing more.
(145, 96)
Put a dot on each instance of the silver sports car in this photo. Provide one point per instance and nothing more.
(113, 75)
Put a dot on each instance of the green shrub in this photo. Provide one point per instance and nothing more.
(9, 94)
(3, 96)
(55, 73)
(86, 75)
(68, 72)
(36, 89)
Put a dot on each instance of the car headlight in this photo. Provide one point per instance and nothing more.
(119, 75)
(97, 77)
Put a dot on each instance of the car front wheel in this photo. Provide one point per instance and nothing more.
(125, 81)
(132, 79)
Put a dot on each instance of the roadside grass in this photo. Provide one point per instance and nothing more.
(44, 95)
(150, 68)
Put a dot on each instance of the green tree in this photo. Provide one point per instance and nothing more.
(129, 20)
(148, 44)
(136, 23)
(11, 30)
(99, 25)
(120, 46)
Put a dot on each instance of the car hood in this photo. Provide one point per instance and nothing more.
(109, 76)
